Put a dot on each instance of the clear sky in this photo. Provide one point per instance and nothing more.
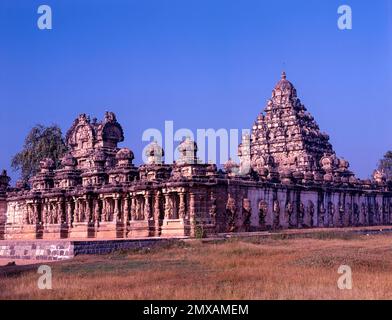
(201, 63)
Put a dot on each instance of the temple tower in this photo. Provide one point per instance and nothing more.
(286, 136)
(92, 140)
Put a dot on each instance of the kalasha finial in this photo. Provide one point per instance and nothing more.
(284, 75)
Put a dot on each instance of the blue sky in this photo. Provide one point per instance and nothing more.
(201, 63)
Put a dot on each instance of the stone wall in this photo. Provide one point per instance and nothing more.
(107, 246)
(3, 215)
(62, 250)
(288, 177)
(310, 207)
(37, 250)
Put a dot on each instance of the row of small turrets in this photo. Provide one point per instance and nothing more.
(286, 146)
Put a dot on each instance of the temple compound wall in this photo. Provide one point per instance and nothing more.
(64, 249)
(288, 177)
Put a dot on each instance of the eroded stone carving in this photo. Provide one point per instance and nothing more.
(263, 211)
(288, 213)
(231, 212)
(246, 214)
(309, 213)
(322, 211)
(99, 192)
(276, 215)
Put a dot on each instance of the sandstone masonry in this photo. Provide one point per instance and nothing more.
(288, 177)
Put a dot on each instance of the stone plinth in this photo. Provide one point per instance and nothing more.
(55, 231)
(23, 231)
(106, 230)
(67, 249)
(80, 230)
(173, 227)
(138, 229)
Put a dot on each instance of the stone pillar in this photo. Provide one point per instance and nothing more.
(97, 212)
(182, 206)
(116, 211)
(48, 213)
(36, 214)
(25, 215)
(157, 212)
(106, 206)
(331, 214)
(75, 210)
(80, 210)
(139, 213)
(213, 209)
(29, 213)
(192, 214)
(167, 206)
(69, 213)
(126, 209)
(62, 211)
(55, 213)
(133, 208)
(88, 211)
(44, 213)
(102, 216)
(147, 208)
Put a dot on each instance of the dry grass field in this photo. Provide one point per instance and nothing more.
(252, 268)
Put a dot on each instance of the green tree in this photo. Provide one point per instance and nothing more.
(385, 165)
(41, 142)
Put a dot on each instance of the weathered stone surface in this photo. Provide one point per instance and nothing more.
(288, 177)
(52, 250)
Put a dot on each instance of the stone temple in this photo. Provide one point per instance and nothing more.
(288, 177)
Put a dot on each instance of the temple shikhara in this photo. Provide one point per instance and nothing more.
(288, 177)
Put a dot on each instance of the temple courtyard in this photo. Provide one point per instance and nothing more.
(281, 266)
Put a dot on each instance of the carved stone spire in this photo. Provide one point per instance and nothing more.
(288, 133)
(154, 153)
(188, 152)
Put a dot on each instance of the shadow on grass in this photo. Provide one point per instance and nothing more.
(120, 254)
(108, 266)
(16, 270)
(332, 235)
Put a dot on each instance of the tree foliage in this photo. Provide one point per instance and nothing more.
(385, 165)
(41, 142)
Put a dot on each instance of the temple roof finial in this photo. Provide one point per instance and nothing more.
(283, 75)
